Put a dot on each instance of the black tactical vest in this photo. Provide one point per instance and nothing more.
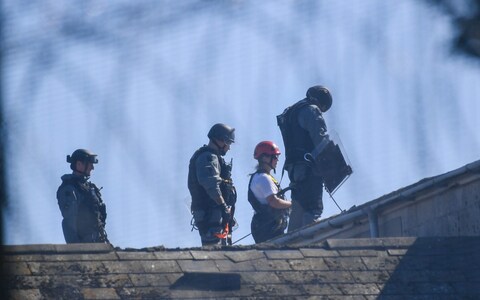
(92, 213)
(266, 211)
(297, 140)
(200, 198)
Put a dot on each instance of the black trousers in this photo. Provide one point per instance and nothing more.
(307, 202)
(264, 228)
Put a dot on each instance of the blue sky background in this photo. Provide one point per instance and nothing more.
(140, 83)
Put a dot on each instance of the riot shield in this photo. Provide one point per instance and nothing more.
(333, 166)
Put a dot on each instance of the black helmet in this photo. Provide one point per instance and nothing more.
(82, 155)
(222, 132)
(321, 96)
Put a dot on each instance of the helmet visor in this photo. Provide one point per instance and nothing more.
(92, 159)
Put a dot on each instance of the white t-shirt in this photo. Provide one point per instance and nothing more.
(263, 186)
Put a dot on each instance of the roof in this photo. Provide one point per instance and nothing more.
(414, 268)
(460, 189)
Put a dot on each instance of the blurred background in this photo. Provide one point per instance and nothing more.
(141, 82)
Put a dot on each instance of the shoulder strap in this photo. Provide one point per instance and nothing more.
(257, 206)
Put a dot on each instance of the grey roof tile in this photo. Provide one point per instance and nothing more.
(198, 266)
(311, 263)
(397, 252)
(99, 293)
(173, 255)
(345, 263)
(31, 294)
(366, 269)
(359, 289)
(272, 265)
(361, 253)
(206, 255)
(284, 254)
(381, 263)
(229, 266)
(15, 268)
(66, 268)
(153, 280)
(131, 255)
(160, 266)
(310, 277)
(145, 293)
(318, 252)
(123, 267)
(260, 278)
(370, 276)
(240, 256)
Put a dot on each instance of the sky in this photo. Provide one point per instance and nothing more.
(141, 83)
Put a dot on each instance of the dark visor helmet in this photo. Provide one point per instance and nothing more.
(222, 132)
(321, 96)
(81, 155)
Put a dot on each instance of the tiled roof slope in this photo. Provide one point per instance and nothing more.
(443, 205)
(389, 268)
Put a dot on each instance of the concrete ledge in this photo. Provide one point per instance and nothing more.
(371, 243)
(56, 248)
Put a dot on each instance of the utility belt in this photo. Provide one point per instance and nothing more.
(267, 211)
(214, 224)
(214, 216)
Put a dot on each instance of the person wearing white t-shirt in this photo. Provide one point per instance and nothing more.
(271, 211)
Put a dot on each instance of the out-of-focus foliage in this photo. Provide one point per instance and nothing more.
(466, 17)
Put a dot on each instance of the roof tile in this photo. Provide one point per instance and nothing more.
(173, 255)
(100, 293)
(381, 263)
(318, 252)
(65, 268)
(240, 256)
(315, 264)
(383, 269)
(272, 265)
(345, 263)
(132, 255)
(229, 266)
(370, 276)
(151, 280)
(204, 255)
(19, 268)
(31, 294)
(283, 254)
(160, 266)
(260, 278)
(198, 266)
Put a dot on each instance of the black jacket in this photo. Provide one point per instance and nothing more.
(84, 213)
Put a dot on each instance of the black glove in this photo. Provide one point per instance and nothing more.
(226, 209)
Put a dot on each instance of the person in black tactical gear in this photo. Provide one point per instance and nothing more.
(211, 187)
(271, 210)
(80, 201)
(304, 131)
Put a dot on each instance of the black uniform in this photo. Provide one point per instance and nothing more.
(305, 129)
(208, 178)
(83, 210)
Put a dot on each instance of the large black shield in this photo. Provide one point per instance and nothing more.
(333, 167)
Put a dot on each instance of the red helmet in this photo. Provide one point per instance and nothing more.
(267, 148)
